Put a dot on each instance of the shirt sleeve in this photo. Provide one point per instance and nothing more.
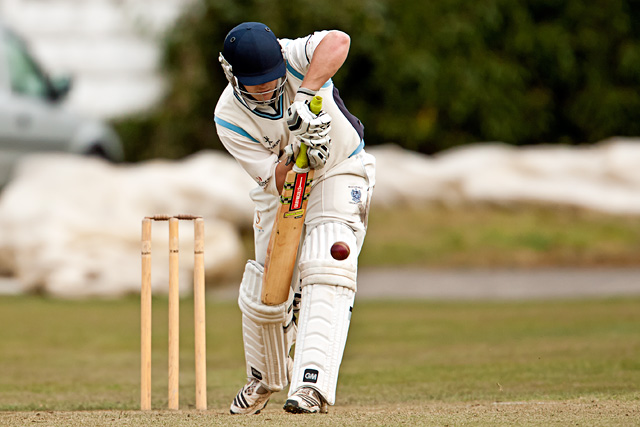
(254, 158)
(299, 52)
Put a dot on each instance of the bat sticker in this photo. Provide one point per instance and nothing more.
(294, 214)
(298, 191)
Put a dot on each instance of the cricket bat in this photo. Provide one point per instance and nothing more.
(285, 236)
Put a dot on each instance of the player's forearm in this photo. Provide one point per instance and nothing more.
(327, 59)
(281, 174)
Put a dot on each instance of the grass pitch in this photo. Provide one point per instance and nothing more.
(413, 363)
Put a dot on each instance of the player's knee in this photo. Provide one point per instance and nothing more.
(318, 266)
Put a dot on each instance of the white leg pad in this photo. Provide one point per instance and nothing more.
(322, 335)
(267, 331)
(328, 292)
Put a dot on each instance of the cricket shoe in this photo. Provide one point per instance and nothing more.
(251, 399)
(306, 400)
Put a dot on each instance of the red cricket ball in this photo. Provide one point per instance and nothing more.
(340, 251)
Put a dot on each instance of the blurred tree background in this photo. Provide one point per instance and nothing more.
(426, 75)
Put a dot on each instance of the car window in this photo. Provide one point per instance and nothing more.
(25, 76)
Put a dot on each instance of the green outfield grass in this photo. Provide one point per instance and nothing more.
(495, 236)
(412, 363)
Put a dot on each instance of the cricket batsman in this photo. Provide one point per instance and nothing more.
(262, 118)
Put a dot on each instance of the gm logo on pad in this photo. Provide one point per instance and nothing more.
(256, 373)
(310, 376)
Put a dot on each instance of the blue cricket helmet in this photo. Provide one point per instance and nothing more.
(254, 53)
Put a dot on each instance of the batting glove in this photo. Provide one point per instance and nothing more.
(303, 123)
(291, 153)
(319, 155)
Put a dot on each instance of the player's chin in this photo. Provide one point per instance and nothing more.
(265, 97)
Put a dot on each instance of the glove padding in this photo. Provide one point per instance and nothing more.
(291, 152)
(314, 141)
(319, 155)
(306, 125)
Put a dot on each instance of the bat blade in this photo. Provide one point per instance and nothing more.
(285, 238)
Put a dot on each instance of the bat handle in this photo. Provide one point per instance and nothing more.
(316, 105)
(302, 161)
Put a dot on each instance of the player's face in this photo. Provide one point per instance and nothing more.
(263, 92)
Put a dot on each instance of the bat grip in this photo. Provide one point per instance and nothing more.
(302, 161)
(316, 105)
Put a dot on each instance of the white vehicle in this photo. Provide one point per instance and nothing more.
(32, 117)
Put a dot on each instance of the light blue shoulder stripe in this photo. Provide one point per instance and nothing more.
(358, 149)
(300, 76)
(234, 128)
